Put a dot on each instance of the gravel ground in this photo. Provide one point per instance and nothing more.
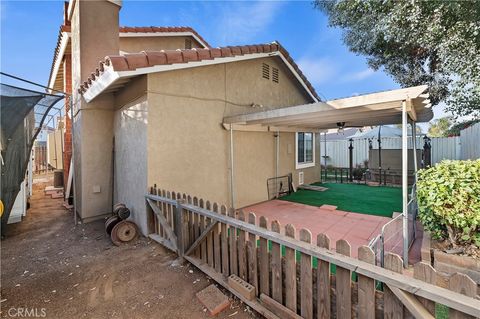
(52, 269)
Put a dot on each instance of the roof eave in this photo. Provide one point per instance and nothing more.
(106, 79)
(58, 60)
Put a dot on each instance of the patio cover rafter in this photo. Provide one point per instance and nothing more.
(364, 110)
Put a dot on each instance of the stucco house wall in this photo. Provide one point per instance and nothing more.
(188, 148)
(155, 43)
(130, 130)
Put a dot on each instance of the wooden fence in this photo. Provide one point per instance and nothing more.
(295, 275)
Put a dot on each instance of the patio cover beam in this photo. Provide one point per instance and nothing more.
(370, 109)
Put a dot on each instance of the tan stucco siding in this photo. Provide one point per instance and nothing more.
(130, 129)
(188, 149)
(137, 44)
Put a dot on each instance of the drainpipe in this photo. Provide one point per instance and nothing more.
(232, 189)
(405, 183)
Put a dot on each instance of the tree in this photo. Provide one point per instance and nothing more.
(439, 127)
(417, 42)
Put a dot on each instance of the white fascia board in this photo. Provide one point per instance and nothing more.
(162, 34)
(101, 83)
(59, 60)
(298, 77)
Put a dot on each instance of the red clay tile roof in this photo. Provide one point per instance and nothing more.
(144, 59)
(162, 30)
(67, 28)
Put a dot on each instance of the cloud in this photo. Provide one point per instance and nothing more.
(358, 76)
(240, 22)
(317, 70)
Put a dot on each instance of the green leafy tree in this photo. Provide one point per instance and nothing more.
(417, 42)
(439, 127)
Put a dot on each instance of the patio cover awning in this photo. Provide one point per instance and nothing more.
(365, 110)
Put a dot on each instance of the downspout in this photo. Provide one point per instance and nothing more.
(405, 183)
(232, 188)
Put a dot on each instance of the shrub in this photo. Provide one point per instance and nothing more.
(449, 201)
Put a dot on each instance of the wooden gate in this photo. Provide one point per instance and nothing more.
(295, 278)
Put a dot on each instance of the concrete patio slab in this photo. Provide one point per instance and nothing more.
(357, 229)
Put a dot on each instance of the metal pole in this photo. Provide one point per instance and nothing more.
(405, 183)
(350, 154)
(72, 161)
(325, 155)
(277, 153)
(232, 190)
(379, 155)
(414, 144)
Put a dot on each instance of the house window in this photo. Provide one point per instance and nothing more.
(305, 150)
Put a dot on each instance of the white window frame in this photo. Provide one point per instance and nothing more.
(306, 164)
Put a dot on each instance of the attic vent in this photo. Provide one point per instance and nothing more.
(265, 71)
(275, 75)
(188, 43)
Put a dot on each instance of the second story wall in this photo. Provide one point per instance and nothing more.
(156, 43)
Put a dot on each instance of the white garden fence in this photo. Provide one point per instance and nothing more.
(465, 146)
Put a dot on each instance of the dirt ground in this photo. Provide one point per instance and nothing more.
(63, 271)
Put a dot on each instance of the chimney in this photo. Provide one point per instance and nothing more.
(95, 26)
(94, 35)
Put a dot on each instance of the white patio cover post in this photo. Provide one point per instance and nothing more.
(405, 182)
(232, 175)
(414, 144)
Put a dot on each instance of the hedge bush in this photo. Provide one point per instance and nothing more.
(449, 201)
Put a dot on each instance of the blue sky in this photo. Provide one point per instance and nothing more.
(29, 33)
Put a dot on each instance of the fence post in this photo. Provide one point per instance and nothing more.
(178, 227)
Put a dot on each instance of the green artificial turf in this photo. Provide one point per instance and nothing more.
(358, 198)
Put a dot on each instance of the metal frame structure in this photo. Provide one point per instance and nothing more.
(382, 108)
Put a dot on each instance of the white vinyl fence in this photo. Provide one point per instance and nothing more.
(465, 146)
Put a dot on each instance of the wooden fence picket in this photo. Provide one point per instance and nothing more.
(203, 245)
(323, 280)
(463, 284)
(216, 242)
(252, 255)
(306, 289)
(264, 263)
(343, 283)
(290, 272)
(209, 239)
(426, 273)
(366, 286)
(224, 243)
(196, 226)
(392, 306)
(232, 239)
(242, 249)
(276, 266)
